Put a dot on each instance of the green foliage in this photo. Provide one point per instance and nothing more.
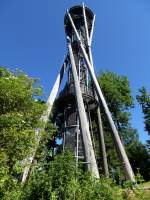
(53, 178)
(144, 100)
(58, 178)
(139, 177)
(61, 179)
(117, 91)
(139, 159)
(19, 116)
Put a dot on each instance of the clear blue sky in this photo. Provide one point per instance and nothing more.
(32, 39)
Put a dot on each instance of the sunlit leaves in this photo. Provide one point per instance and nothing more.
(144, 99)
(19, 117)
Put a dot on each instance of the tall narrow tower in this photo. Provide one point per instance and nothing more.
(67, 109)
(82, 94)
(81, 98)
(77, 101)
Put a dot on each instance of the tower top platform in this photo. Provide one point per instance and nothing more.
(76, 13)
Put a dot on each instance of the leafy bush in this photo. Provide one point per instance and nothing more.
(62, 180)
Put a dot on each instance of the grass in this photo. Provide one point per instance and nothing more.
(146, 185)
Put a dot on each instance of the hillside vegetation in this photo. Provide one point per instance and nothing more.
(57, 176)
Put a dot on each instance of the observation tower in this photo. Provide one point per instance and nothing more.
(67, 113)
(77, 107)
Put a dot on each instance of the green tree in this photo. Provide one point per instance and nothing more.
(139, 159)
(144, 100)
(20, 111)
(117, 92)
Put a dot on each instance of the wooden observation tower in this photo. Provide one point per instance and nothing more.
(79, 101)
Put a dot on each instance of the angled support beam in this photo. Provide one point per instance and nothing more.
(91, 34)
(44, 118)
(85, 24)
(88, 147)
(127, 167)
(54, 91)
(101, 133)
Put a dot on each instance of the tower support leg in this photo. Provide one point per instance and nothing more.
(88, 147)
(101, 133)
(100, 126)
(102, 142)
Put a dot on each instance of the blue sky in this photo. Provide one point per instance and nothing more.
(32, 38)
